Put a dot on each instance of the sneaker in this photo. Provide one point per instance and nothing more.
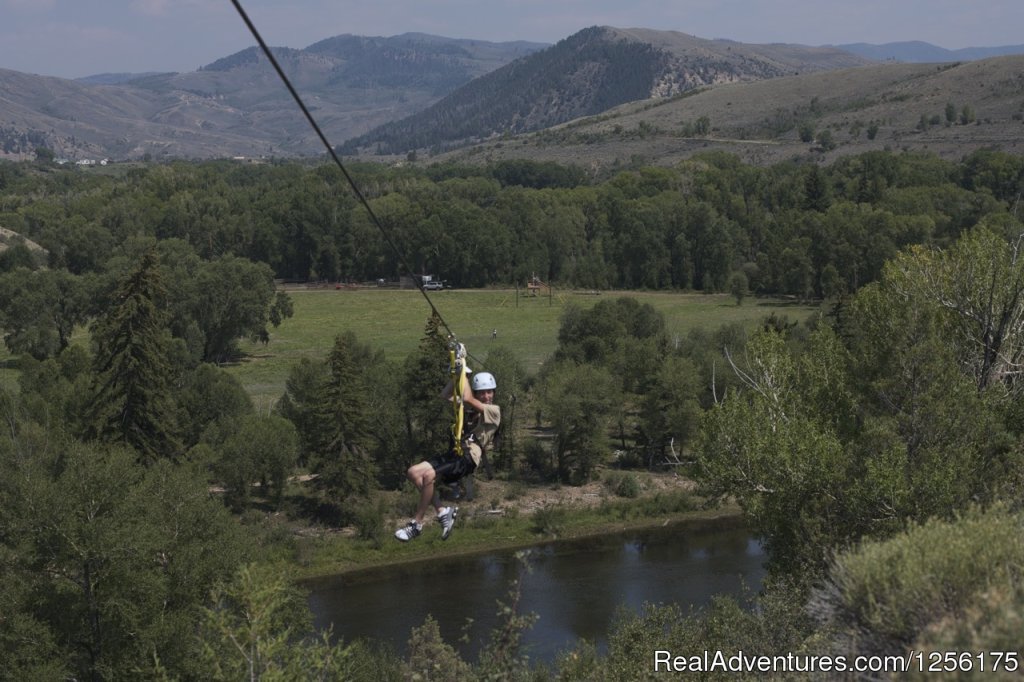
(447, 519)
(408, 532)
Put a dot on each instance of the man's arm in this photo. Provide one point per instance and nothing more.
(470, 400)
(467, 395)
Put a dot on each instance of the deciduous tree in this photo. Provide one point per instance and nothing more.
(579, 401)
(115, 555)
(978, 286)
(39, 310)
(258, 628)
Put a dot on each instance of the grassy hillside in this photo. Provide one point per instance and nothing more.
(394, 321)
(761, 121)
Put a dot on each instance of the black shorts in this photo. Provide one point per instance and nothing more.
(450, 467)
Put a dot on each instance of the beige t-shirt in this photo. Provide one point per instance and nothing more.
(481, 432)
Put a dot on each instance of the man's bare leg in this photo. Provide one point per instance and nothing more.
(422, 476)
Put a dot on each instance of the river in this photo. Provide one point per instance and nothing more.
(575, 587)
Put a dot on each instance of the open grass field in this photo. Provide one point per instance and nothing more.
(394, 321)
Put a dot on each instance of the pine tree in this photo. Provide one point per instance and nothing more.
(426, 419)
(343, 424)
(132, 400)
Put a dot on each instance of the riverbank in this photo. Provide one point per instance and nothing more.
(727, 517)
(509, 516)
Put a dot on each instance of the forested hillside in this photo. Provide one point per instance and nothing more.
(878, 450)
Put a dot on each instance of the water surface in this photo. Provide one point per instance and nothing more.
(575, 587)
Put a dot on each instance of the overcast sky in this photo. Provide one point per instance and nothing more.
(73, 38)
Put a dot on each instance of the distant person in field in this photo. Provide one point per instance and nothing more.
(481, 424)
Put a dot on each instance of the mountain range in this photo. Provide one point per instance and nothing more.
(587, 73)
(237, 106)
(396, 95)
(918, 52)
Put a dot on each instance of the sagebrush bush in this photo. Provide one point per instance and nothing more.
(884, 595)
(623, 484)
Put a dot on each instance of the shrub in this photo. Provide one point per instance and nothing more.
(371, 660)
(430, 658)
(623, 484)
(515, 490)
(368, 517)
(549, 520)
(885, 595)
(538, 459)
(655, 505)
(482, 521)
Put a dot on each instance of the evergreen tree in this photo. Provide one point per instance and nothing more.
(426, 421)
(300, 403)
(132, 399)
(817, 193)
(343, 436)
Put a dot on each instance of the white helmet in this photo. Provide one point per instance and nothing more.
(483, 381)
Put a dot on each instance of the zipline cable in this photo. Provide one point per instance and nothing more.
(334, 155)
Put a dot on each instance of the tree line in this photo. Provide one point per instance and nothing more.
(791, 229)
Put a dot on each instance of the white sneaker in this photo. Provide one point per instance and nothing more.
(446, 517)
(408, 532)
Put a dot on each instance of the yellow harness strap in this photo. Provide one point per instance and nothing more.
(458, 372)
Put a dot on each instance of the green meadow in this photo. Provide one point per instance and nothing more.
(394, 320)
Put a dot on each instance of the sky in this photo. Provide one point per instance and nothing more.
(75, 38)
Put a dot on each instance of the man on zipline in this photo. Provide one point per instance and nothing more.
(482, 420)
